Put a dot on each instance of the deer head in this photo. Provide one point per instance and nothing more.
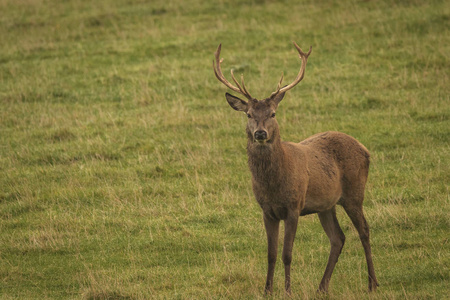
(262, 126)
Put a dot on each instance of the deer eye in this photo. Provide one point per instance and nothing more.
(273, 115)
(249, 116)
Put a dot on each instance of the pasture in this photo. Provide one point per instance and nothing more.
(124, 171)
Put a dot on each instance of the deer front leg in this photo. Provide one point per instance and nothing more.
(290, 228)
(272, 229)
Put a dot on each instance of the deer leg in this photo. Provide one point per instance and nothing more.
(272, 229)
(290, 228)
(359, 221)
(337, 239)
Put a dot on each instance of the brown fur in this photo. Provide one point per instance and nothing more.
(294, 179)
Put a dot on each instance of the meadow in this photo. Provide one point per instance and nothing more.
(124, 171)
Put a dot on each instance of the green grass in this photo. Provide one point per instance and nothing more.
(123, 169)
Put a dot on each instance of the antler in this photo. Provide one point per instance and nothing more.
(216, 65)
(301, 73)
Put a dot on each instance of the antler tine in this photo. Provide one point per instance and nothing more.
(278, 87)
(242, 89)
(301, 52)
(218, 72)
(304, 57)
(245, 89)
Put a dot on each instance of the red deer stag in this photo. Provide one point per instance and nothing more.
(296, 179)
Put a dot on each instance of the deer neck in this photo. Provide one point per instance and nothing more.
(266, 161)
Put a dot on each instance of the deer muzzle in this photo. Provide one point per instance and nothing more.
(260, 136)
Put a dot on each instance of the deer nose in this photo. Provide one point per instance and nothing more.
(260, 135)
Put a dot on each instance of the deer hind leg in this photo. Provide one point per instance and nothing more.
(355, 212)
(337, 239)
(272, 229)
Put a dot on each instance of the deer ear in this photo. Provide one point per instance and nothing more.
(237, 103)
(277, 99)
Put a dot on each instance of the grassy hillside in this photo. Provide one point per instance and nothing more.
(123, 169)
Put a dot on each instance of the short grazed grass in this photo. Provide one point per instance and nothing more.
(123, 169)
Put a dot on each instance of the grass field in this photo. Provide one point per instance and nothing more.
(123, 169)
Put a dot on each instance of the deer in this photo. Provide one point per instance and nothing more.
(290, 180)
